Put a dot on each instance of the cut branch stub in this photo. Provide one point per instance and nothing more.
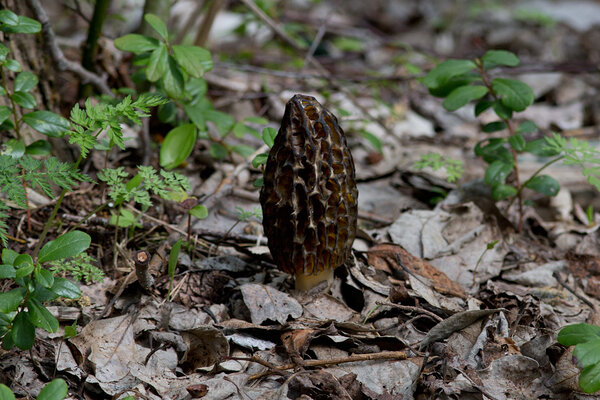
(309, 199)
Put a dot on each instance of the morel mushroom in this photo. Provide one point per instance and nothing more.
(309, 198)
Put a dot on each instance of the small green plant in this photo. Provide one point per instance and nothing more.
(454, 168)
(57, 389)
(173, 257)
(586, 339)
(22, 309)
(80, 268)
(460, 82)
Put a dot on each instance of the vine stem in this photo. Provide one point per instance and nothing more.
(511, 131)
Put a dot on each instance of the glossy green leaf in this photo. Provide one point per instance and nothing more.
(10, 301)
(24, 270)
(173, 80)
(589, 380)
(24, 25)
(196, 114)
(200, 211)
(502, 191)
(65, 288)
(136, 43)
(173, 257)
(68, 245)
(196, 87)
(3, 53)
(5, 112)
(9, 256)
(41, 317)
(25, 81)
(177, 146)
(481, 106)
(47, 122)
(501, 110)
(8, 17)
(497, 172)
(462, 95)
(544, 184)
(24, 99)
(7, 271)
(193, 59)
(499, 57)
(14, 148)
(268, 135)
(517, 142)
(55, 390)
(23, 331)
(39, 148)
(493, 126)
(446, 70)
(44, 277)
(157, 24)
(218, 151)
(260, 160)
(5, 392)
(12, 65)
(157, 63)
(578, 333)
(527, 127)
(515, 94)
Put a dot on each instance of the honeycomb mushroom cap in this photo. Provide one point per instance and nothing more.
(309, 198)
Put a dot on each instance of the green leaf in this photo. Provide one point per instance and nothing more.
(70, 331)
(496, 172)
(517, 142)
(260, 182)
(68, 245)
(502, 191)
(44, 277)
(587, 353)
(136, 43)
(12, 65)
(9, 256)
(578, 333)
(260, 160)
(65, 288)
(173, 80)
(193, 59)
(3, 53)
(217, 150)
(493, 126)
(157, 63)
(5, 392)
(39, 148)
(41, 317)
(501, 110)
(257, 120)
(23, 331)
(196, 114)
(243, 150)
(47, 122)
(24, 25)
(55, 390)
(539, 147)
(7, 271)
(25, 81)
(223, 121)
(373, 140)
(177, 146)
(446, 70)
(5, 112)
(481, 106)
(544, 184)
(527, 127)
(199, 211)
(589, 380)
(173, 256)
(10, 301)
(14, 148)
(23, 260)
(462, 95)
(515, 94)
(196, 87)
(24, 99)
(157, 24)
(24, 270)
(8, 17)
(268, 136)
(499, 57)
